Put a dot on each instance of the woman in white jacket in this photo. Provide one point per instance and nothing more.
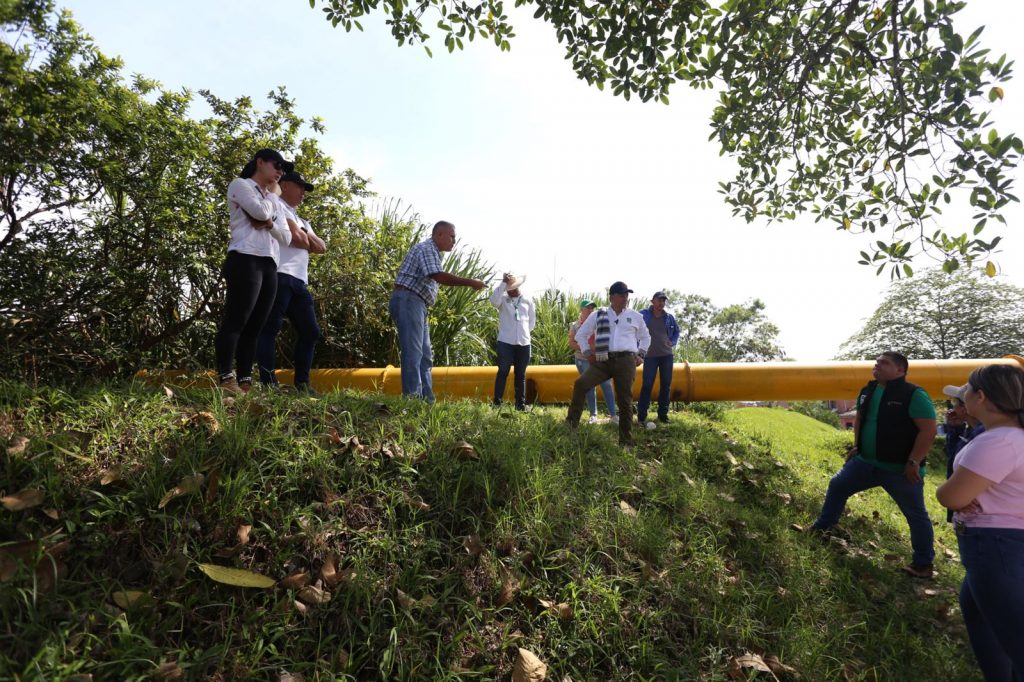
(258, 228)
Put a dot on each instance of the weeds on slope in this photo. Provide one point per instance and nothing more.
(416, 542)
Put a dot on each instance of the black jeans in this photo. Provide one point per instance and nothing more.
(252, 286)
(295, 301)
(509, 354)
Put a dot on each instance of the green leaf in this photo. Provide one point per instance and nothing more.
(236, 576)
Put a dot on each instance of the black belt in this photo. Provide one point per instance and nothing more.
(620, 353)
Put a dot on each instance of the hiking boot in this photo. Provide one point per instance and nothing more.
(230, 386)
(924, 571)
(663, 420)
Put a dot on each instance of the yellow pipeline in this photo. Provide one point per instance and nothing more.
(690, 383)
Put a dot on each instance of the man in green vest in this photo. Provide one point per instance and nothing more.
(893, 430)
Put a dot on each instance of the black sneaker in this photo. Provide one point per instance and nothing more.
(663, 420)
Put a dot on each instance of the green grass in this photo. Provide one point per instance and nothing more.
(706, 570)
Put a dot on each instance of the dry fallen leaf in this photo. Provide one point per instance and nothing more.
(732, 458)
(236, 576)
(777, 666)
(168, 671)
(17, 446)
(186, 486)
(286, 676)
(689, 481)
(528, 667)
(785, 497)
(507, 592)
(627, 509)
(748, 660)
(243, 533)
(404, 600)
(300, 607)
(128, 598)
(473, 545)
(564, 611)
(23, 499)
(169, 393)
(110, 475)
(296, 580)
(727, 497)
(213, 484)
(464, 450)
(329, 571)
(52, 513)
(313, 595)
(203, 418)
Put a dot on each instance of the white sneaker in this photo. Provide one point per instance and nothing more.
(593, 419)
(651, 426)
(614, 419)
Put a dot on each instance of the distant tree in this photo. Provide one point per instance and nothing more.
(942, 316)
(736, 333)
(868, 115)
(817, 409)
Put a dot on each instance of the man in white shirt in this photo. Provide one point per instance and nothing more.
(293, 298)
(516, 319)
(620, 344)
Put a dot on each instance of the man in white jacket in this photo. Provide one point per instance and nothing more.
(517, 317)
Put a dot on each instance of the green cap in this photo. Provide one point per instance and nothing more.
(587, 303)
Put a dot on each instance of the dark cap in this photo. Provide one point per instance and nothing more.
(661, 295)
(296, 177)
(274, 155)
(619, 288)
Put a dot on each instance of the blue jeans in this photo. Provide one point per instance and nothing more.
(409, 312)
(992, 599)
(652, 367)
(295, 301)
(857, 476)
(510, 354)
(606, 390)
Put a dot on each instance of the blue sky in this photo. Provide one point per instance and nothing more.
(547, 176)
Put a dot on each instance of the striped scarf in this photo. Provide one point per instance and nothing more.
(602, 335)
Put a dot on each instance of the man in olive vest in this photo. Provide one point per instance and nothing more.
(893, 430)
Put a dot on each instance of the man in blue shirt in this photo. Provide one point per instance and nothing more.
(658, 362)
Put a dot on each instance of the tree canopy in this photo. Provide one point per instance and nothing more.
(739, 332)
(871, 116)
(944, 316)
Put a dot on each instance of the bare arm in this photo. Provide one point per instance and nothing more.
(450, 280)
(962, 488)
(300, 239)
(316, 245)
(926, 430)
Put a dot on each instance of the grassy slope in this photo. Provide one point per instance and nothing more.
(706, 570)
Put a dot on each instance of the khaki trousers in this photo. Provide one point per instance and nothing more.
(621, 369)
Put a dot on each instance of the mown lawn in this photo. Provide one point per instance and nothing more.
(433, 543)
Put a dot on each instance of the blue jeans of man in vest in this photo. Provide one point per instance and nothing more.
(857, 476)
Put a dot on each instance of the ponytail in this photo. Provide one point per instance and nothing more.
(249, 169)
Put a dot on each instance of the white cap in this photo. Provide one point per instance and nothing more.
(956, 391)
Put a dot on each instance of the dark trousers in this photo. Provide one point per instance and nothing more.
(660, 366)
(252, 287)
(857, 476)
(294, 301)
(509, 355)
(621, 369)
(992, 599)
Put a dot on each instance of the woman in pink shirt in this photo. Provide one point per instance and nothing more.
(986, 491)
